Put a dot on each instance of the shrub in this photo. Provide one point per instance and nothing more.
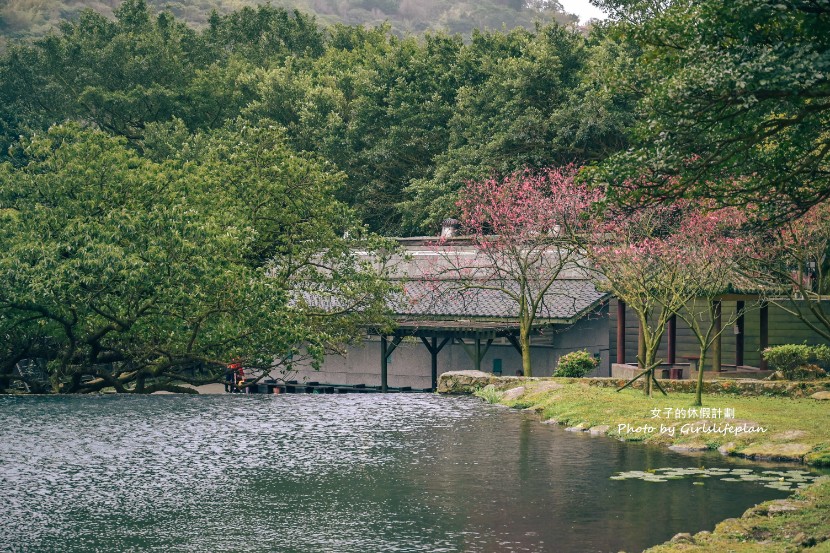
(796, 361)
(488, 394)
(576, 364)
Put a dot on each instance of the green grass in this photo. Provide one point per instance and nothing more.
(787, 421)
(489, 394)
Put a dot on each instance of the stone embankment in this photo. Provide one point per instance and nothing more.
(467, 382)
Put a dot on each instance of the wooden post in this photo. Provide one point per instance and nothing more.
(384, 363)
(620, 332)
(672, 340)
(739, 336)
(434, 354)
(716, 346)
(763, 338)
(477, 360)
(434, 349)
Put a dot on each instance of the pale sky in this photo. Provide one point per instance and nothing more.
(583, 9)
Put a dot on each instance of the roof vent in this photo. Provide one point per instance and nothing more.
(449, 228)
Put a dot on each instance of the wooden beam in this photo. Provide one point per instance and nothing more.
(641, 347)
(395, 341)
(487, 347)
(763, 337)
(620, 332)
(386, 350)
(475, 351)
(672, 340)
(384, 363)
(716, 345)
(739, 336)
(514, 342)
(434, 349)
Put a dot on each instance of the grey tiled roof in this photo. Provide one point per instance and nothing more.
(565, 300)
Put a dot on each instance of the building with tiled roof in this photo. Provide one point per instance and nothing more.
(464, 326)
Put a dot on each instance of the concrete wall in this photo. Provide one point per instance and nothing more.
(410, 363)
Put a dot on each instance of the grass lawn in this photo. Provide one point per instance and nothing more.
(792, 428)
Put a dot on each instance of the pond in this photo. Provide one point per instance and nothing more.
(339, 473)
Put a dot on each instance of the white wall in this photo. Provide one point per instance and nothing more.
(410, 364)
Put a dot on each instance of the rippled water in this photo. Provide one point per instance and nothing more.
(331, 473)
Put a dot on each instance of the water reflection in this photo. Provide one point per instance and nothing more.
(355, 473)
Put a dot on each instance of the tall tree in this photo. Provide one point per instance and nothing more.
(713, 249)
(634, 259)
(143, 275)
(792, 264)
(732, 90)
(520, 228)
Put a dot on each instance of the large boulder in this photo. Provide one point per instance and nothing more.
(777, 452)
(513, 394)
(464, 382)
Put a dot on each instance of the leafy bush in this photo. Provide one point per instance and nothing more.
(797, 361)
(576, 364)
(488, 394)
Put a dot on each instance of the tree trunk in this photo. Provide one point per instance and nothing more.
(644, 360)
(699, 388)
(524, 342)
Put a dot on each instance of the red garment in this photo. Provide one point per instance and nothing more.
(238, 371)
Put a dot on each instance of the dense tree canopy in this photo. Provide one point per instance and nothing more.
(408, 121)
(36, 17)
(137, 275)
(735, 101)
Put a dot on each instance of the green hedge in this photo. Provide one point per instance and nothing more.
(798, 361)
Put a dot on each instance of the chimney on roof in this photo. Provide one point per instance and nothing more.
(449, 228)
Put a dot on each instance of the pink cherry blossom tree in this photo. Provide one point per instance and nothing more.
(792, 264)
(634, 258)
(519, 228)
(714, 246)
(666, 260)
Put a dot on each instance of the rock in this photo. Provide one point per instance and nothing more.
(471, 374)
(693, 446)
(780, 506)
(821, 396)
(683, 537)
(544, 387)
(727, 449)
(777, 452)
(599, 430)
(789, 435)
(463, 382)
(581, 427)
(513, 394)
(550, 421)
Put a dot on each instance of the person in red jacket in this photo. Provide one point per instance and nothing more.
(234, 377)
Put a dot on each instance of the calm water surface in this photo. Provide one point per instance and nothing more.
(327, 473)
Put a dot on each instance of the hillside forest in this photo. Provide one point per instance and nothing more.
(33, 18)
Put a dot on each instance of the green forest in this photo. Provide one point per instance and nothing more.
(156, 175)
(27, 18)
(407, 120)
